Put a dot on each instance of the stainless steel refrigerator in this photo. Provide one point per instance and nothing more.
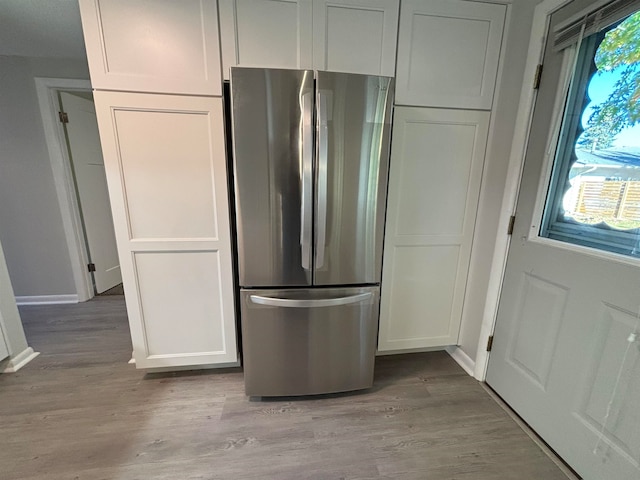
(311, 160)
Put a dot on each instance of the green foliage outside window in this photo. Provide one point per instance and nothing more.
(619, 49)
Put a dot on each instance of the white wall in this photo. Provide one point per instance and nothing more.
(30, 222)
(496, 164)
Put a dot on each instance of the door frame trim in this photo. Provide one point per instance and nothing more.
(47, 90)
(535, 52)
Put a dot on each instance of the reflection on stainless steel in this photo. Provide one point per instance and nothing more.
(309, 350)
(307, 180)
(358, 115)
(321, 195)
(309, 213)
(270, 176)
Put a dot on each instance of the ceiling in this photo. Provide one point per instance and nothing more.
(41, 28)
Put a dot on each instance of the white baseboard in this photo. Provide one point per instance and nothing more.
(18, 361)
(462, 359)
(47, 299)
(408, 350)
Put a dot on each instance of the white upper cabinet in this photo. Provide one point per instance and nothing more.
(355, 36)
(164, 46)
(266, 33)
(448, 53)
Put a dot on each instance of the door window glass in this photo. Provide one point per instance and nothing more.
(594, 194)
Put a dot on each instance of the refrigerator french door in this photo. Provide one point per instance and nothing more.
(311, 153)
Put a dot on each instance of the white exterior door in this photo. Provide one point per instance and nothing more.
(566, 355)
(91, 183)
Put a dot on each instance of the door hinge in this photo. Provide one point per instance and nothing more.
(489, 343)
(537, 77)
(512, 222)
(92, 267)
(64, 118)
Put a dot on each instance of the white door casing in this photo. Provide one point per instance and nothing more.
(166, 170)
(355, 36)
(564, 356)
(163, 46)
(437, 158)
(448, 53)
(91, 183)
(266, 33)
(47, 91)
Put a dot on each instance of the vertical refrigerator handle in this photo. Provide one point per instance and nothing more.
(306, 206)
(323, 147)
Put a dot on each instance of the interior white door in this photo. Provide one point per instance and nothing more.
(564, 355)
(91, 184)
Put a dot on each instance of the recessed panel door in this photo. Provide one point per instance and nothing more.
(566, 349)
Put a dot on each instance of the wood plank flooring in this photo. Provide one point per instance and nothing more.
(79, 411)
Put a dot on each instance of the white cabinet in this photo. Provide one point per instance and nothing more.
(357, 36)
(448, 53)
(4, 350)
(266, 33)
(436, 168)
(166, 171)
(164, 46)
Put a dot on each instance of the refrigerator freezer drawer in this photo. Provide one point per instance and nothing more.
(311, 341)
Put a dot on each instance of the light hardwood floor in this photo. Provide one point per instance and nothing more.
(79, 411)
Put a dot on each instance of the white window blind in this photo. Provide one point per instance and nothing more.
(598, 16)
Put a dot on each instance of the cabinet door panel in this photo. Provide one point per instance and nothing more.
(4, 350)
(165, 46)
(266, 33)
(153, 175)
(180, 296)
(434, 184)
(166, 172)
(355, 36)
(448, 52)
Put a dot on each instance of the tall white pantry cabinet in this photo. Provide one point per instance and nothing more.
(447, 67)
(155, 69)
